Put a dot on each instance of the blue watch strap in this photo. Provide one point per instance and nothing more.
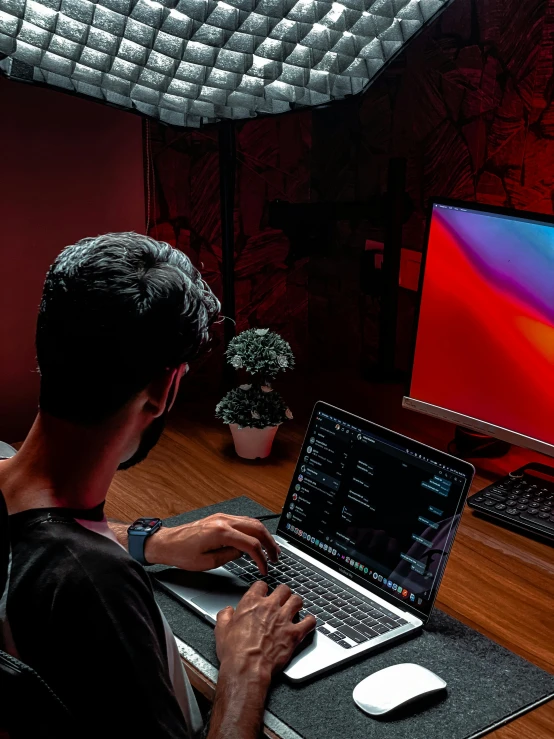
(137, 533)
(137, 541)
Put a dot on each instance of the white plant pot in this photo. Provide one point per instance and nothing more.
(251, 443)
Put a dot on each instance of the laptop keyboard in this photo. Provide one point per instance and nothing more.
(344, 616)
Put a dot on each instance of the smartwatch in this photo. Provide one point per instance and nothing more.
(138, 533)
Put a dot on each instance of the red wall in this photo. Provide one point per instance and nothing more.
(470, 105)
(69, 168)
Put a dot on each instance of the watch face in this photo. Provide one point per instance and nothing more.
(146, 525)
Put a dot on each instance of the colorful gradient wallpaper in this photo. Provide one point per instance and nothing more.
(485, 344)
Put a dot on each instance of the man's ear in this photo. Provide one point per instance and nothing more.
(163, 390)
(179, 374)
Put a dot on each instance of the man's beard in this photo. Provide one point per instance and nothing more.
(149, 439)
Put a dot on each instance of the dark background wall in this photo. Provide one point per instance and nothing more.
(469, 104)
(273, 162)
(69, 168)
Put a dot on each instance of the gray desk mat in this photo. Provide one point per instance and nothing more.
(487, 684)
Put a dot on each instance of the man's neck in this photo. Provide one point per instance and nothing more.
(61, 464)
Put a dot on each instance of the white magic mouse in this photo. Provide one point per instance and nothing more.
(395, 686)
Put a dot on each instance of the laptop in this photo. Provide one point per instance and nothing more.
(365, 534)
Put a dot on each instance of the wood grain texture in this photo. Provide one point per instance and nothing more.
(499, 582)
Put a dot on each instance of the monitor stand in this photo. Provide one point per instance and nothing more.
(468, 443)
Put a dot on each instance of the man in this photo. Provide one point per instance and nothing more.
(120, 319)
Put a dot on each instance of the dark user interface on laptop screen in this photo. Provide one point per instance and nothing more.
(381, 510)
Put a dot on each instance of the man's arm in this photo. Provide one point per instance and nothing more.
(206, 544)
(253, 643)
(239, 703)
(120, 531)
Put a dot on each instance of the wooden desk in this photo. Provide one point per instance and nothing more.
(498, 582)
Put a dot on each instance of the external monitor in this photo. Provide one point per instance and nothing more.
(484, 353)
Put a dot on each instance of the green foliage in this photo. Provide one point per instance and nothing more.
(260, 352)
(263, 354)
(253, 405)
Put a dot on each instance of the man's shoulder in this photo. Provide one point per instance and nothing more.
(61, 553)
(82, 613)
(73, 575)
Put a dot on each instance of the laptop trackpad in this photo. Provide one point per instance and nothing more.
(212, 603)
(210, 591)
(219, 581)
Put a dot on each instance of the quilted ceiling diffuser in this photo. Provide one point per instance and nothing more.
(189, 62)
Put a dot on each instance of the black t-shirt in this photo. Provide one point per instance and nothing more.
(82, 613)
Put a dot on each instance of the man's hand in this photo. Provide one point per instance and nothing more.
(260, 635)
(253, 642)
(212, 542)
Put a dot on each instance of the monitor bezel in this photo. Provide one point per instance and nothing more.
(420, 406)
(465, 469)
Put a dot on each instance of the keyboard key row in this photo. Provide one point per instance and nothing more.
(340, 614)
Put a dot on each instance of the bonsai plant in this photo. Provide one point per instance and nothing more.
(254, 411)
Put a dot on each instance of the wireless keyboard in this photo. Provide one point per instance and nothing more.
(524, 499)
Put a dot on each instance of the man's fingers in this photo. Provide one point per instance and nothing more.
(281, 594)
(293, 605)
(257, 590)
(255, 528)
(248, 544)
(224, 616)
(304, 627)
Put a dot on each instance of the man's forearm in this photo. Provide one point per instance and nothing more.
(239, 703)
(120, 531)
(154, 550)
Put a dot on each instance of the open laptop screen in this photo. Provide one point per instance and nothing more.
(381, 507)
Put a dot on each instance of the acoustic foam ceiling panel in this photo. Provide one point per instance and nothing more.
(189, 62)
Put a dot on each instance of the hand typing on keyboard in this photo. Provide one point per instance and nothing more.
(262, 630)
(346, 617)
(211, 542)
(253, 642)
